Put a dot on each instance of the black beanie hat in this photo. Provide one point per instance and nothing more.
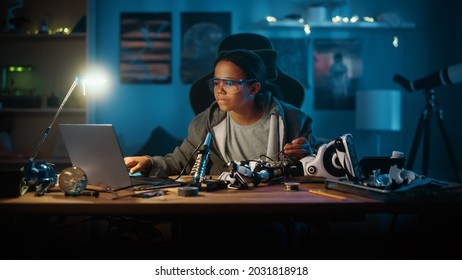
(250, 63)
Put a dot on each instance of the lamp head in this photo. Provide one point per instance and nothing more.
(37, 175)
(93, 78)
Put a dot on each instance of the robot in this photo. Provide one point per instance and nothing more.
(41, 175)
(325, 164)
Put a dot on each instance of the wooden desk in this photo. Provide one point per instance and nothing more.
(337, 228)
(264, 199)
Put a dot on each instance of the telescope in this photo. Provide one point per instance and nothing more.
(445, 76)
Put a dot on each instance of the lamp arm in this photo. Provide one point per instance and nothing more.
(48, 129)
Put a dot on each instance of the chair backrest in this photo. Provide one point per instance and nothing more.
(282, 86)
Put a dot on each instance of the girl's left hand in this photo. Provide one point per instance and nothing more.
(298, 148)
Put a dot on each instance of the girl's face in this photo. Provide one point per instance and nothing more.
(230, 94)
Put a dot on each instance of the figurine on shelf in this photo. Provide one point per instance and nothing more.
(52, 101)
(43, 24)
(15, 19)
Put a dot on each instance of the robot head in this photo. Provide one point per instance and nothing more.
(40, 175)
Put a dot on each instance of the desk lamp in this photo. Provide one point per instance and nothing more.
(378, 110)
(42, 175)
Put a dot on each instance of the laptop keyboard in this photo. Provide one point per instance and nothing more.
(151, 181)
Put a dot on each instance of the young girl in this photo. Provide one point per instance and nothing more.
(245, 120)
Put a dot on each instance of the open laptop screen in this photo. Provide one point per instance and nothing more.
(95, 149)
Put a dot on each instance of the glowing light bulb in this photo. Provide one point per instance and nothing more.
(395, 41)
(271, 19)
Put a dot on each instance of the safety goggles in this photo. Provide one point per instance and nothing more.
(229, 85)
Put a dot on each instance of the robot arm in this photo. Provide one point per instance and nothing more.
(331, 162)
(255, 172)
(323, 165)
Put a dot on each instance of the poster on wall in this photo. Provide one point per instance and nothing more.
(201, 33)
(337, 69)
(293, 57)
(145, 48)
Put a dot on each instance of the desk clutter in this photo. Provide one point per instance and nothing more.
(421, 189)
(335, 163)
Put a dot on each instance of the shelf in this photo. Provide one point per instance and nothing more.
(10, 37)
(22, 161)
(286, 23)
(15, 164)
(42, 111)
(327, 24)
(362, 24)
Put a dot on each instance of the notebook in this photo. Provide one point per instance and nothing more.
(95, 149)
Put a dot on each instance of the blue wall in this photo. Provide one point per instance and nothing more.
(435, 42)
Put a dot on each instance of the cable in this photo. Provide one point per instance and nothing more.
(189, 159)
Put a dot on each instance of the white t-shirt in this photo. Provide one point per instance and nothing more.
(246, 142)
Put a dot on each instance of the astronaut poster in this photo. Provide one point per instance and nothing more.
(337, 69)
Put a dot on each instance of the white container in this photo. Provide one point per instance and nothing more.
(316, 14)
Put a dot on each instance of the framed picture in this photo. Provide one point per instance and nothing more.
(293, 57)
(145, 48)
(337, 69)
(201, 33)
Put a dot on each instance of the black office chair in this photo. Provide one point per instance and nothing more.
(282, 86)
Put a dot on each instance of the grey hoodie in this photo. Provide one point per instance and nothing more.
(287, 123)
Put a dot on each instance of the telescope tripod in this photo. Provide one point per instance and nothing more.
(423, 128)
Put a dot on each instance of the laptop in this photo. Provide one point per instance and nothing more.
(95, 149)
